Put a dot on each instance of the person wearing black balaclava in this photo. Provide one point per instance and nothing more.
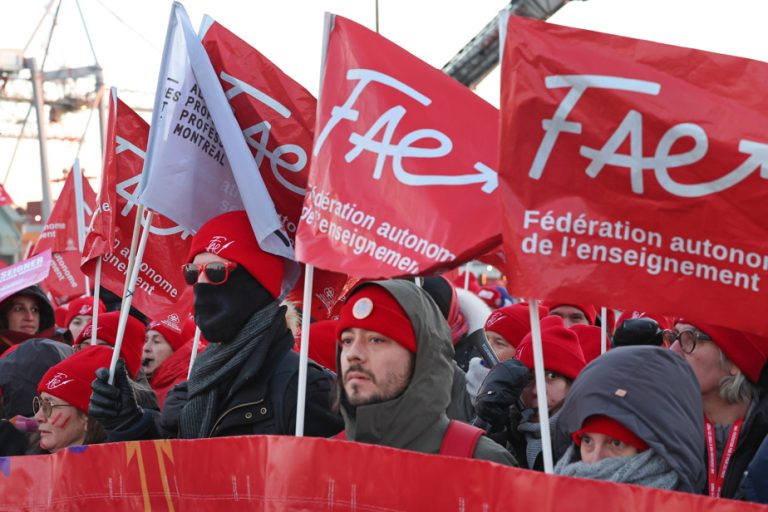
(246, 381)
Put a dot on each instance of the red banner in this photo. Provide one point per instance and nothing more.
(161, 292)
(633, 174)
(288, 473)
(402, 178)
(65, 281)
(277, 117)
(60, 231)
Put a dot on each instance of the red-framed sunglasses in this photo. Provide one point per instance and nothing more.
(216, 272)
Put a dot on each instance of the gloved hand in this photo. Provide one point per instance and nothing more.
(501, 390)
(174, 402)
(114, 405)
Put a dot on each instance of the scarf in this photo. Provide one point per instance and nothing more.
(532, 433)
(646, 468)
(215, 369)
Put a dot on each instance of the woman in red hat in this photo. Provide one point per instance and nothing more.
(728, 365)
(61, 409)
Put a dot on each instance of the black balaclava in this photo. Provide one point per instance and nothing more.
(221, 310)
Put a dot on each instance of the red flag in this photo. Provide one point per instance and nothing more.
(60, 231)
(161, 292)
(277, 117)
(402, 175)
(634, 174)
(5, 199)
(66, 281)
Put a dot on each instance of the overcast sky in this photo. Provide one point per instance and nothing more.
(128, 35)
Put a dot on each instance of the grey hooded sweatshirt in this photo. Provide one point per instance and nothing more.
(654, 393)
(416, 420)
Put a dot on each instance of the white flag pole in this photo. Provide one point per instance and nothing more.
(541, 386)
(96, 293)
(193, 356)
(603, 329)
(134, 245)
(126, 306)
(466, 276)
(306, 312)
(79, 213)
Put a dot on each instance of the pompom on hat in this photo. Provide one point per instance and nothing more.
(230, 236)
(373, 308)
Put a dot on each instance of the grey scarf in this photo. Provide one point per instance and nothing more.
(646, 468)
(214, 370)
(532, 433)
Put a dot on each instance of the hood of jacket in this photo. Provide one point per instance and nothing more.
(414, 419)
(654, 393)
(47, 315)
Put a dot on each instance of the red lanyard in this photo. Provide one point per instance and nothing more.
(716, 478)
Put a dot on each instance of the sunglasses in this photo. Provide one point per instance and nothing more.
(216, 272)
(46, 405)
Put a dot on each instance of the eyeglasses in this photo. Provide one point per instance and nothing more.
(687, 339)
(46, 405)
(216, 272)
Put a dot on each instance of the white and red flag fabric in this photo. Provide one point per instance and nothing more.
(634, 174)
(277, 118)
(198, 163)
(403, 178)
(60, 236)
(5, 199)
(161, 292)
(25, 273)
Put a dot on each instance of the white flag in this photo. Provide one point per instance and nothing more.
(198, 164)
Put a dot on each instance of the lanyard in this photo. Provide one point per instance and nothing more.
(716, 478)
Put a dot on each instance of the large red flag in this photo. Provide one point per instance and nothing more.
(66, 281)
(277, 117)
(161, 292)
(633, 174)
(402, 179)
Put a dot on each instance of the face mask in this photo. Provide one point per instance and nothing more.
(221, 310)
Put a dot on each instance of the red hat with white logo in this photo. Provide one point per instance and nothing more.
(562, 351)
(513, 322)
(373, 308)
(133, 338)
(71, 379)
(170, 330)
(230, 236)
(82, 306)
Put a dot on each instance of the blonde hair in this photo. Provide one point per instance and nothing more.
(737, 388)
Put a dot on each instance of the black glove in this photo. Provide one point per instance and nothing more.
(501, 390)
(174, 402)
(114, 405)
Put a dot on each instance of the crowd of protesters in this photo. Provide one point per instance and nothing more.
(675, 403)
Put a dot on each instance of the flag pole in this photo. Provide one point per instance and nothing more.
(541, 386)
(134, 245)
(128, 297)
(79, 213)
(306, 312)
(96, 293)
(603, 330)
(466, 277)
(193, 356)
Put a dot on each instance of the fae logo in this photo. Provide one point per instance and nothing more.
(58, 380)
(217, 244)
(85, 309)
(495, 317)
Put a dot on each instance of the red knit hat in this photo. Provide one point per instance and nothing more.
(608, 426)
(171, 333)
(513, 322)
(322, 343)
(562, 352)
(133, 339)
(71, 379)
(589, 339)
(60, 314)
(82, 306)
(748, 352)
(230, 236)
(589, 311)
(663, 321)
(373, 308)
(491, 296)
